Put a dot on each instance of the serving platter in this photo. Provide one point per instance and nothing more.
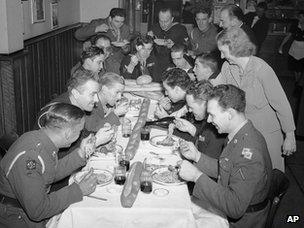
(104, 153)
(164, 176)
(104, 177)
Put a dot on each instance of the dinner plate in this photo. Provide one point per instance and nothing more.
(104, 177)
(155, 139)
(164, 176)
(104, 154)
(119, 44)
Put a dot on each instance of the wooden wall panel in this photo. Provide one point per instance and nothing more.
(40, 72)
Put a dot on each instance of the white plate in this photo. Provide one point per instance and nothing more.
(107, 156)
(156, 179)
(105, 175)
(158, 138)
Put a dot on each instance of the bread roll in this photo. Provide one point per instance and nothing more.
(144, 79)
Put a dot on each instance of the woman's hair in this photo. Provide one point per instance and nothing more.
(238, 42)
(60, 115)
(209, 60)
(110, 78)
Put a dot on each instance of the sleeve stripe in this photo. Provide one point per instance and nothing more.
(13, 162)
(42, 163)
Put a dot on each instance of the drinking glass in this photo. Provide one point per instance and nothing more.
(126, 127)
(120, 175)
(124, 160)
(145, 134)
(146, 181)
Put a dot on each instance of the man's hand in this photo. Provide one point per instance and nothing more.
(185, 126)
(165, 102)
(169, 43)
(104, 134)
(88, 183)
(160, 112)
(121, 109)
(134, 60)
(189, 151)
(150, 33)
(101, 28)
(289, 144)
(188, 171)
(87, 146)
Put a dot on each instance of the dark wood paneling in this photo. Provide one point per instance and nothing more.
(40, 72)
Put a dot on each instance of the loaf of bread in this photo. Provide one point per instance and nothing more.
(144, 79)
(132, 185)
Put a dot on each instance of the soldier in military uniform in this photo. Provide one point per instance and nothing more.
(207, 140)
(243, 169)
(31, 166)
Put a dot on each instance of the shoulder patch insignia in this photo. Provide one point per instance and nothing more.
(246, 153)
(31, 164)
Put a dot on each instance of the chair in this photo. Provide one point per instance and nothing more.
(278, 187)
(6, 141)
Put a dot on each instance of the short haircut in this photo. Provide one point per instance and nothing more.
(166, 9)
(234, 12)
(229, 96)
(179, 48)
(238, 42)
(200, 90)
(209, 60)
(176, 77)
(99, 36)
(203, 10)
(262, 5)
(79, 78)
(118, 12)
(60, 115)
(91, 52)
(143, 39)
(109, 79)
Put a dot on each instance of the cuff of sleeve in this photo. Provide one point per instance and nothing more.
(76, 193)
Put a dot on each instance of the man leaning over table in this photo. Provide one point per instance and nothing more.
(112, 26)
(243, 169)
(109, 108)
(31, 165)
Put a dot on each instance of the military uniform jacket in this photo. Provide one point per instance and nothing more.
(244, 175)
(30, 167)
(208, 140)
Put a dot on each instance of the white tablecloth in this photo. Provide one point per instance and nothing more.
(173, 210)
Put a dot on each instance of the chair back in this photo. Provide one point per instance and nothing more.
(278, 187)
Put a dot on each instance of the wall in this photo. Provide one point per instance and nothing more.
(91, 9)
(68, 13)
(11, 26)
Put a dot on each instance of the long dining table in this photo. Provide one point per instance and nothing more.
(172, 209)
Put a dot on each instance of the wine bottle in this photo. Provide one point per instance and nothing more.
(163, 122)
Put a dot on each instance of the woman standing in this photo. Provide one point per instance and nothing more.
(266, 102)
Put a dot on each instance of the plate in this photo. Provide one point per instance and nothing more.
(155, 139)
(103, 153)
(160, 192)
(104, 177)
(164, 176)
(119, 44)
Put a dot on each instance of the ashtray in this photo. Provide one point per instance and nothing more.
(161, 192)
